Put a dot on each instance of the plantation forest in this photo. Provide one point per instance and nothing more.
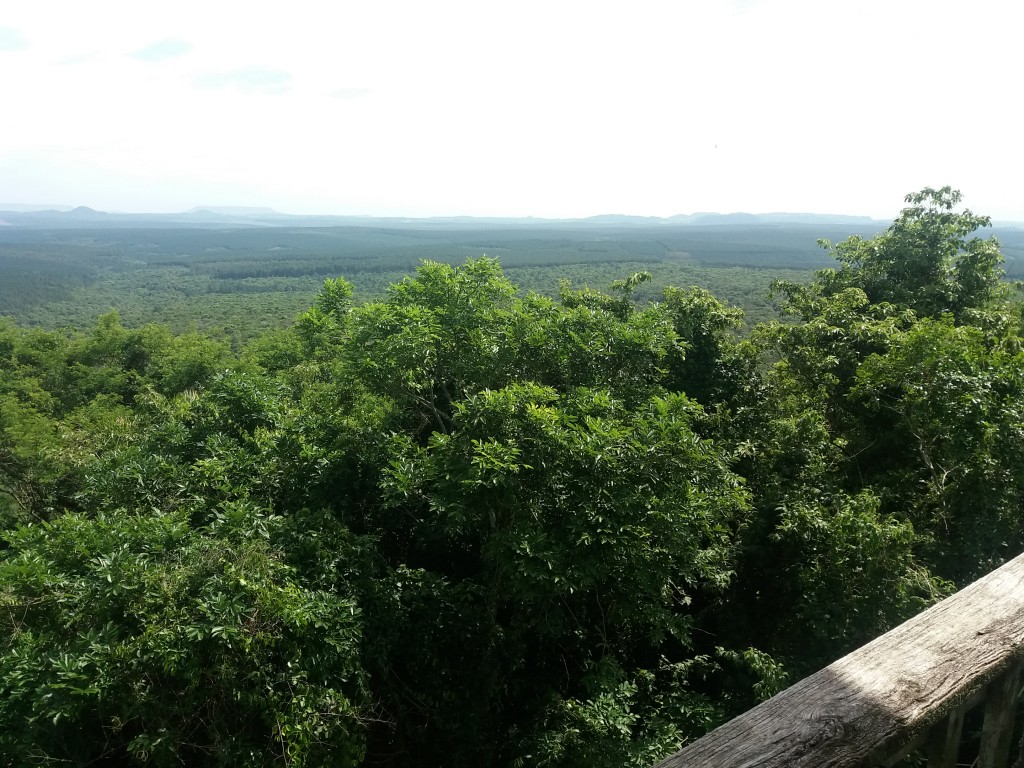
(557, 495)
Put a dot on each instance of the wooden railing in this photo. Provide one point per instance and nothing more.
(908, 690)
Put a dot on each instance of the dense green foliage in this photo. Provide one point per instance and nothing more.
(462, 524)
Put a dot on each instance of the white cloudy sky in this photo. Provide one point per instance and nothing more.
(555, 108)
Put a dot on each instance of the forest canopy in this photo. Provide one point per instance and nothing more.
(462, 524)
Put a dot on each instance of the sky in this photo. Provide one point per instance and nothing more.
(551, 109)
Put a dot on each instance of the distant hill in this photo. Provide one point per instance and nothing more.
(235, 210)
(619, 218)
(37, 216)
(32, 208)
(725, 218)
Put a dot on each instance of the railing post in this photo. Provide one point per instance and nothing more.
(944, 742)
(1000, 707)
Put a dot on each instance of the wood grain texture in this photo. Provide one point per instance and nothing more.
(863, 707)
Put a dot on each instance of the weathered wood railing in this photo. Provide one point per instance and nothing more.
(906, 690)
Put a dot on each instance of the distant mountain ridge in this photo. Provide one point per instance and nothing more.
(32, 208)
(61, 216)
(235, 210)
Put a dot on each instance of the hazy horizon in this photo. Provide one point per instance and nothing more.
(565, 110)
(23, 207)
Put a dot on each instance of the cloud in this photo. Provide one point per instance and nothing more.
(351, 93)
(253, 79)
(162, 49)
(12, 40)
(79, 58)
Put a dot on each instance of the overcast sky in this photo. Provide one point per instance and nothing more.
(555, 108)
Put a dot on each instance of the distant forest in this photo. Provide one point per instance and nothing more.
(237, 282)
